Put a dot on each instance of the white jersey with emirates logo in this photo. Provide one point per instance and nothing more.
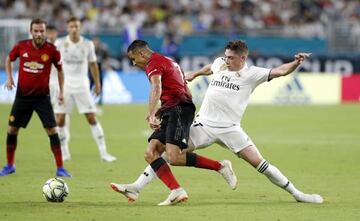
(75, 61)
(228, 93)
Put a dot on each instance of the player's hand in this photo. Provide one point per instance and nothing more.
(300, 57)
(153, 121)
(189, 77)
(61, 99)
(97, 89)
(9, 84)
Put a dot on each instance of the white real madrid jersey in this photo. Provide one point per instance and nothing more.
(54, 80)
(75, 60)
(228, 93)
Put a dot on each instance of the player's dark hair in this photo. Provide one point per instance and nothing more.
(238, 47)
(51, 27)
(136, 45)
(72, 19)
(37, 21)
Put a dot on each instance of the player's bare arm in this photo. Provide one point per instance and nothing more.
(154, 99)
(10, 80)
(61, 86)
(94, 69)
(206, 70)
(288, 68)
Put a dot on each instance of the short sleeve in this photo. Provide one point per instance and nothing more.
(153, 69)
(259, 74)
(218, 64)
(92, 55)
(14, 53)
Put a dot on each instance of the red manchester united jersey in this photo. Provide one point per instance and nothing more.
(34, 67)
(174, 88)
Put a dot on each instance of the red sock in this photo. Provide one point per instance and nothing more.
(10, 152)
(11, 141)
(57, 155)
(206, 163)
(55, 148)
(165, 174)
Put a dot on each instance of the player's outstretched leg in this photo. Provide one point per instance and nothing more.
(128, 190)
(276, 177)
(228, 174)
(132, 191)
(224, 167)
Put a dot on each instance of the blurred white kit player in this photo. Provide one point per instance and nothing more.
(77, 54)
(54, 94)
(51, 36)
(218, 120)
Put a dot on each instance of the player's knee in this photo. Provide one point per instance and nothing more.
(91, 118)
(60, 121)
(51, 131)
(172, 157)
(149, 156)
(13, 130)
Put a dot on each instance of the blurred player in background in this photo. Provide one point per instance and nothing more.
(32, 94)
(51, 36)
(77, 54)
(171, 134)
(102, 55)
(218, 120)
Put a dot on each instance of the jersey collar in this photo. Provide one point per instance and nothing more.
(71, 42)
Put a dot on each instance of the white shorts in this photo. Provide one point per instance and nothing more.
(83, 100)
(233, 138)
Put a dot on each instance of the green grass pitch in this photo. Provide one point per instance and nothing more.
(316, 147)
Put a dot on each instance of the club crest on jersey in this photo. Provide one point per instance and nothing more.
(66, 45)
(44, 57)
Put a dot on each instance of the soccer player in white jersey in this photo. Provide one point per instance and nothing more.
(51, 36)
(218, 120)
(78, 53)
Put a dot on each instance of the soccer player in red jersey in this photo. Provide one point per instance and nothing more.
(32, 94)
(171, 123)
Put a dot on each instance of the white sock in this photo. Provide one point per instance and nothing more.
(276, 177)
(146, 177)
(67, 128)
(63, 136)
(98, 135)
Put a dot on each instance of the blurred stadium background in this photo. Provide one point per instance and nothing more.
(316, 146)
(195, 31)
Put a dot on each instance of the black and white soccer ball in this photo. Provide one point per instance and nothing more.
(55, 190)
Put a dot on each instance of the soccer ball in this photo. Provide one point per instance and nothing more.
(55, 190)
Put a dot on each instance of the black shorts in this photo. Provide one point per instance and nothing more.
(175, 125)
(24, 107)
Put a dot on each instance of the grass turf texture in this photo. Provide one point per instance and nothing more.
(316, 147)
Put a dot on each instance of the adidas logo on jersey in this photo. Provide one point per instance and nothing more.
(292, 93)
(25, 55)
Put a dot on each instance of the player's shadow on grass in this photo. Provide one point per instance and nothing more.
(116, 204)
